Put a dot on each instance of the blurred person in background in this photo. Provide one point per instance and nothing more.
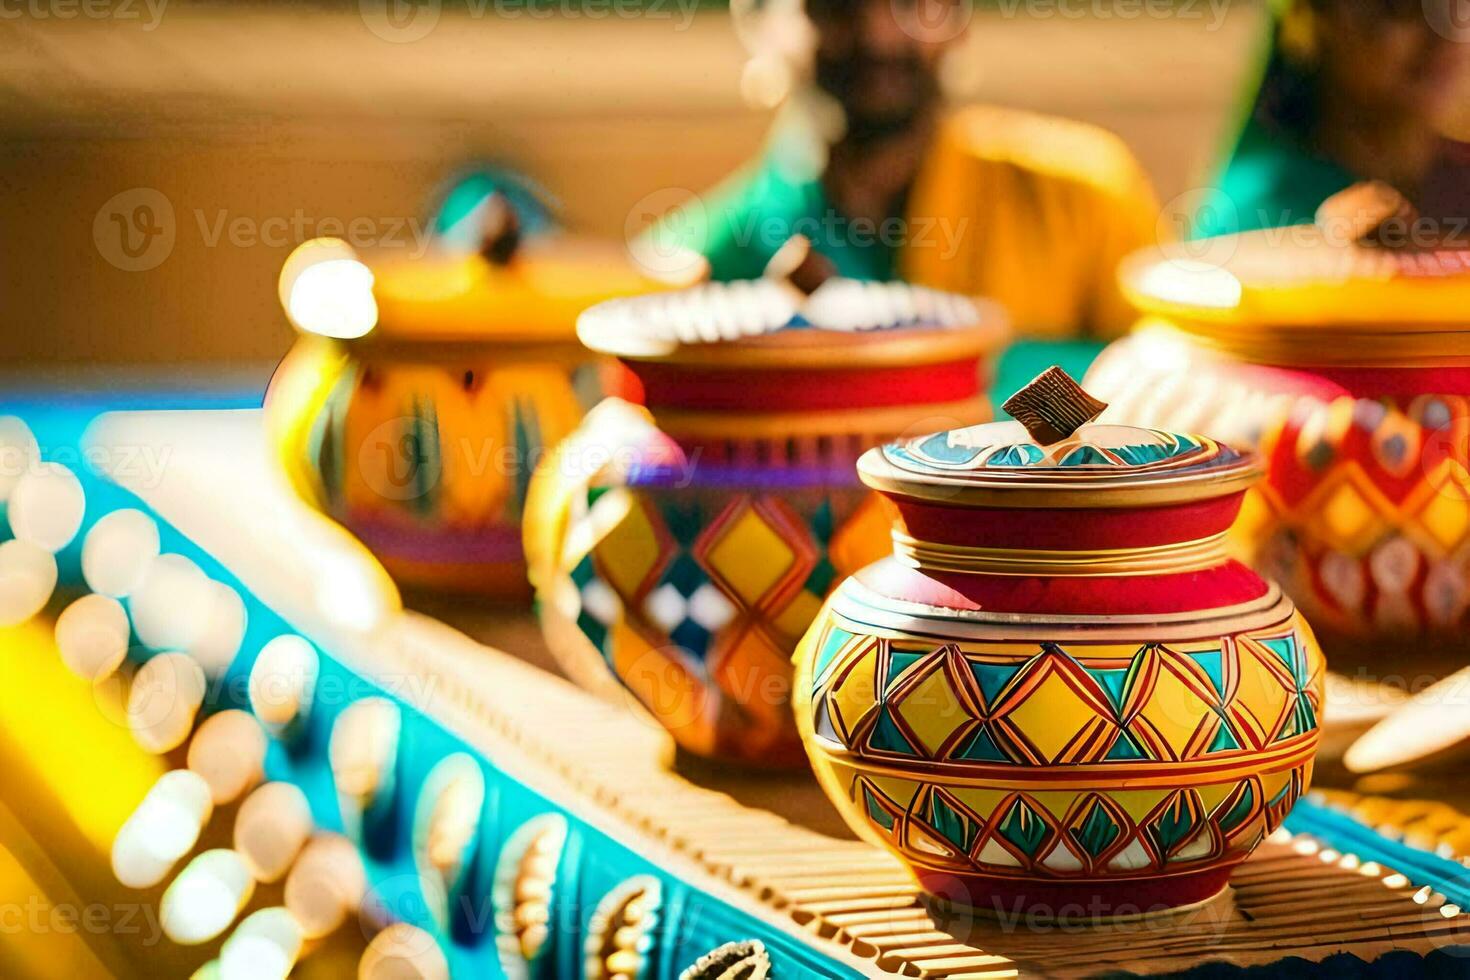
(867, 162)
(1351, 90)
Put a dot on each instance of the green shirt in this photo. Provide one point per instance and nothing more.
(1270, 182)
(742, 223)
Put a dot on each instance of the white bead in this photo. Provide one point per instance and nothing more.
(19, 453)
(47, 505)
(27, 579)
(228, 751)
(163, 828)
(205, 898)
(263, 947)
(326, 884)
(92, 634)
(164, 700)
(220, 639)
(117, 551)
(283, 681)
(270, 829)
(172, 604)
(403, 952)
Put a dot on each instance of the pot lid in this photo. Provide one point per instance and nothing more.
(515, 288)
(799, 316)
(1384, 283)
(1054, 455)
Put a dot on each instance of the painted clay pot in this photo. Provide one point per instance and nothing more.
(682, 540)
(1057, 695)
(1340, 353)
(422, 391)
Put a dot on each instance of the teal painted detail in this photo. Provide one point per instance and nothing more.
(1211, 662)
(1114, 682)
(421, 455)
(937, 448)
(1025, 454)
(887, 737)
(831, 643)
(1086, 456)
(876, 812)
(993, 678)
(1240, 810)
(1224, 740)
(982, 748)
(898, 662)
(1124, 750)
(951, 824)
(1174, 825)
(1306, 717)
(1098, 829)
(1285, 648)
(1023, 828)
(1281, 794)
(526, 429)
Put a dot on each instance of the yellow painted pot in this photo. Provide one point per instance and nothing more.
(681, 547)
(1058, 696)
(422, 392)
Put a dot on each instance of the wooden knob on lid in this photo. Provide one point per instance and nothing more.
(500, 229)
(799, 263)
(1053, 406)
(1370, 213)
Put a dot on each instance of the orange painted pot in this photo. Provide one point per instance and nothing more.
(1057, 695)
(422, 392)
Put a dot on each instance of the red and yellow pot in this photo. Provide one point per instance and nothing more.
(1340, 353)
(1058, 694)
(680, 547)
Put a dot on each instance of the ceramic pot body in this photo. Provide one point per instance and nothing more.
(1363, 514)
(1062, 710)
(426, 459)
(680, 549)
(687, 584)
(423, 391)
(1338, 351)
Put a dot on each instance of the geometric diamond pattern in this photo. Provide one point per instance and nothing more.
(1244, 706)
(1344, 475)
(723, 583)
(1082, 704)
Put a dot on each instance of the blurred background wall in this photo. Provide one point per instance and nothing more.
(242, 130)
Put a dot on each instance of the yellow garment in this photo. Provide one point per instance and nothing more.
(1042, 210)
